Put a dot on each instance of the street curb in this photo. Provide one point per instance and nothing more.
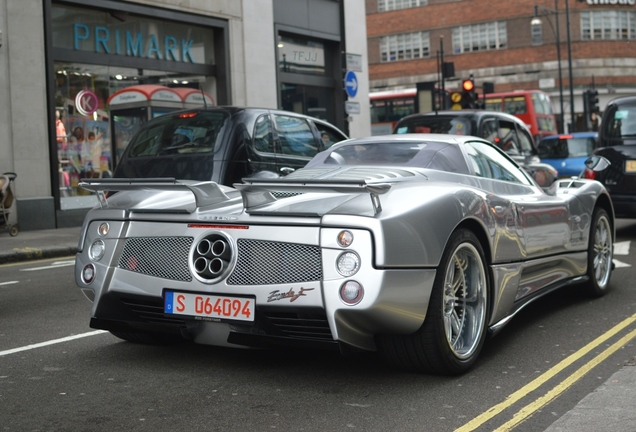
(32, 254)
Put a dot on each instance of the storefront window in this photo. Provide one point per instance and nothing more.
(310, 100)
(85, 122)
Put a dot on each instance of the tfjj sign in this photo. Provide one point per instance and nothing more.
(133, 44)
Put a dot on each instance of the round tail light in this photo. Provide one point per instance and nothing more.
(351, 293)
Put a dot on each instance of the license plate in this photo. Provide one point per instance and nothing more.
(630, 166)
(211, 307)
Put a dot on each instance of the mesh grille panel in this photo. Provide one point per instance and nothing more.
(164, 257)
(267, 263)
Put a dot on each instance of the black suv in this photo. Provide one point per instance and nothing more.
(504, 130)
(617, 143)
(225, 144)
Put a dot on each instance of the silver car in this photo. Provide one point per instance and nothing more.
(416, 246)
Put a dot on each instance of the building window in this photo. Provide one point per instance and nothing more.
(407, 46)
(480, 37)
(389, 5)
(608, 25)
(536, 33)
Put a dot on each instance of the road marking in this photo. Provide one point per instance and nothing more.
(527, 411)
(50, 266)
(51, 342)
(9, 283)
(542, 379)
(621, 248)
(619, 264)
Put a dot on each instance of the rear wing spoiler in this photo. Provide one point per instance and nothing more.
(256, 192)
(205, 193)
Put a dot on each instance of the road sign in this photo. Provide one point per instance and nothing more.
(351, 84)
(354, 62)
(352, 107)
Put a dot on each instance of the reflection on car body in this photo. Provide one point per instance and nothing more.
(412, 245)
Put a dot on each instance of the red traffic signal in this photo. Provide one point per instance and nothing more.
(469, 96)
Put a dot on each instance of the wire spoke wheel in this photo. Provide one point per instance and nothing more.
(464, 300)
(600, 253)
(454, 330)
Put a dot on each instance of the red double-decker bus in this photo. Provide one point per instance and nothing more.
(387, 107)
(531, 106)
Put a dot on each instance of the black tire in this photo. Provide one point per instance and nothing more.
(599, 254)
(147, 338)
(454, 331)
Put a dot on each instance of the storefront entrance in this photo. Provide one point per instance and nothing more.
(96, 53)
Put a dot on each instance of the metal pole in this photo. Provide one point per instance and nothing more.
(567, 23)
(558, 47)
(442, 95)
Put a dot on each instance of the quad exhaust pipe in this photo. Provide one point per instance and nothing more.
(212, 257)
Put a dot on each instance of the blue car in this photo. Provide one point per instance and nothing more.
(567, 153)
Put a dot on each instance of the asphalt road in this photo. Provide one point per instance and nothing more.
(57, 374)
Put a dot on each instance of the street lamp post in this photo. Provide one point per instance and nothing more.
(567, 24)
(537, 21)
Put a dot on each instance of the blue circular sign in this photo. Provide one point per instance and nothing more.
(351, 84)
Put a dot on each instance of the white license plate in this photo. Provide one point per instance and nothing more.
(209, 306)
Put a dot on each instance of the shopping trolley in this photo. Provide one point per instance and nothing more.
(6, 200)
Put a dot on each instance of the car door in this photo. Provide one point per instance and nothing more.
(542, 221)
(296, 142)
(262, 155)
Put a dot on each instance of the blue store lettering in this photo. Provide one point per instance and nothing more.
(132, 44)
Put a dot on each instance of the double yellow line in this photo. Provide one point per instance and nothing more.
(527, 411)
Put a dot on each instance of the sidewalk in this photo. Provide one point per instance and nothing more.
(608, 408)
(34, 245)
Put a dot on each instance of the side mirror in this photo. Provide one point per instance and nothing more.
(597, 163)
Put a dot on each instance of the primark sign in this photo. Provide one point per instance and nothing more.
(135, 44)
(128, 35)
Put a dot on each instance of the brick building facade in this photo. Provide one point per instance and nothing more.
(495, 41)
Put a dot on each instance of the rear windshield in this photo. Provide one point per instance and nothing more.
(619, 124)
(449, 125)
(183, 133)
(564, 148)
(426, 154)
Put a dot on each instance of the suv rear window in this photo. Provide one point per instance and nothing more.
(194, 132)
(619, 122)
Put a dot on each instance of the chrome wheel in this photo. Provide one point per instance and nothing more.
(464, 300)
(602, 251)
(454, 330)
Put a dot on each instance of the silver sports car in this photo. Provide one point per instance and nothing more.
(416, 246)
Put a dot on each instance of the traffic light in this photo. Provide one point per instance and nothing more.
(469, 96)
(592, 101)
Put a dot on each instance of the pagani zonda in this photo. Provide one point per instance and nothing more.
(416, 246)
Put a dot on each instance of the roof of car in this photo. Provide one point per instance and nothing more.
(464, 112)
(622, 99)
(412, 137)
